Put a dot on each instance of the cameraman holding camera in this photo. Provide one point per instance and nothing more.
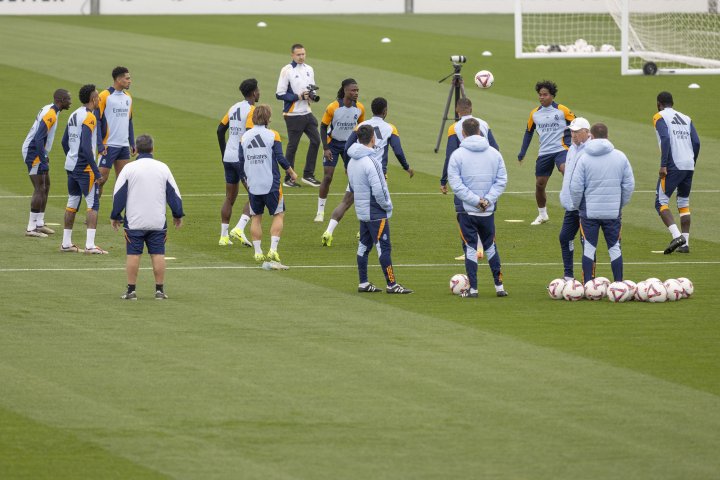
(296, 87)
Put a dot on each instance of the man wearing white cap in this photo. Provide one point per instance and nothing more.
(580, 132)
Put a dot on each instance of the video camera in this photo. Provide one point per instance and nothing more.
(456, 59)
(312, 95)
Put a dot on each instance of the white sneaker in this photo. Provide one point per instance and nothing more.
(96, 251)
(540, 220)
(320, 217)
(35, 233)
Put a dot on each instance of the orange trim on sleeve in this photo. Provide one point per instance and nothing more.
(330, 112)
(361, 118)
(569, 116)
(225, 120)
(655, 118)
(531, 122)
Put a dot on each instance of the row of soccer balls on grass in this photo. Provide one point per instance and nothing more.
(652, 290)
(580, 46)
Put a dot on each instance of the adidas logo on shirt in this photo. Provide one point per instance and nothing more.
(677, 120)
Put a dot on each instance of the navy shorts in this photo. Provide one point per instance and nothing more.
(154, 239)
(274, 202)
(337, 148)
(114, 153)
(82, 184)
(37, 166)
(675, 179)
(232, 172)
(545, 164)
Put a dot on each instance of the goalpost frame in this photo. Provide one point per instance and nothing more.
(626, 51)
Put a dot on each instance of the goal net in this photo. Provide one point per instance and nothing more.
(650, 36)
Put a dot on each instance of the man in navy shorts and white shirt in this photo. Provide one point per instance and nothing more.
(142, 190)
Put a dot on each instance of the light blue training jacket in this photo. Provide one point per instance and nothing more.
(602, 182)
(476, 171)
(367, 182)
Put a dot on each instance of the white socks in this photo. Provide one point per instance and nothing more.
(331, 226)
(543, 211)
(258, 248)
(224, 229)
(687, 239)
(321, 204)
(274, 243)
(674, 230)
(90, 242)
(244, 219)
(32, 222)
(67, 238)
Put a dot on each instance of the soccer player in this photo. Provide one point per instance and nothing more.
(35, 151)
(477, 176)
(679, 150)
(79, 144)
(601, 184)
(550, 120)
(340, 119)
(386, 137)
(260, 154)
(116, 139)
(374, 209)
(142, 190)
(580, 131)
(237, 120)
(464, 110)
(294, 89)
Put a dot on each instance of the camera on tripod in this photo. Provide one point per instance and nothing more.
(457, 59)
(312, 92)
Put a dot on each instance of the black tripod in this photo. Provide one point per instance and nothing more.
(458, 87)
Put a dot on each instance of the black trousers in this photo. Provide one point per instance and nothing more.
(296, 126)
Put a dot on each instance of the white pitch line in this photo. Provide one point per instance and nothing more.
(401, 265)
(190, 195)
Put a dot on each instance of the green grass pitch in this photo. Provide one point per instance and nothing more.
(251, 374)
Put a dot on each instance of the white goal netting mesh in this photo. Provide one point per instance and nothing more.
(674, 35)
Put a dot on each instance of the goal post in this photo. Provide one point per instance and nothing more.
(650, 36)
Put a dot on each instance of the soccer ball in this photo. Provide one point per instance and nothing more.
(595, 290)
(573, 291)
(656, 292)
(687, 286)
(606, 47)
(632, 289)
(617, 292)
(604, 280)
(459, 283)
(542, 49)
(580, 44)
(484, 79)
(641, 291)
(653, 279)
(675, 290)
(555, 289)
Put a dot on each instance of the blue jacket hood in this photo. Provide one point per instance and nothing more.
(598, 146)
(358, 150)
(475, 143)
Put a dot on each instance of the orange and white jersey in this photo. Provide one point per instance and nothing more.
(115, 118)
(79, 141)
(238, 119)
(41, 134)
(342, 120)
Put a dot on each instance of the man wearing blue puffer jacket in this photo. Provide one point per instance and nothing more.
(601, 185)
(477, 176)
(373, 208)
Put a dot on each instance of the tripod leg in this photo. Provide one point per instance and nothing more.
(453, 88)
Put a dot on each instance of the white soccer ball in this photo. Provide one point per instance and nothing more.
(573, 291)
(632, 289)
(542, 49)
(595, 290)
(555, 289)
(580, 43)
(656, 292)
(617, 292)
(459, 283)
(641, 291)
(589, 49)
(607, 48)
(687, 286)
(604, 280)
(484, 79)
(653, 279)
(674, 290)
